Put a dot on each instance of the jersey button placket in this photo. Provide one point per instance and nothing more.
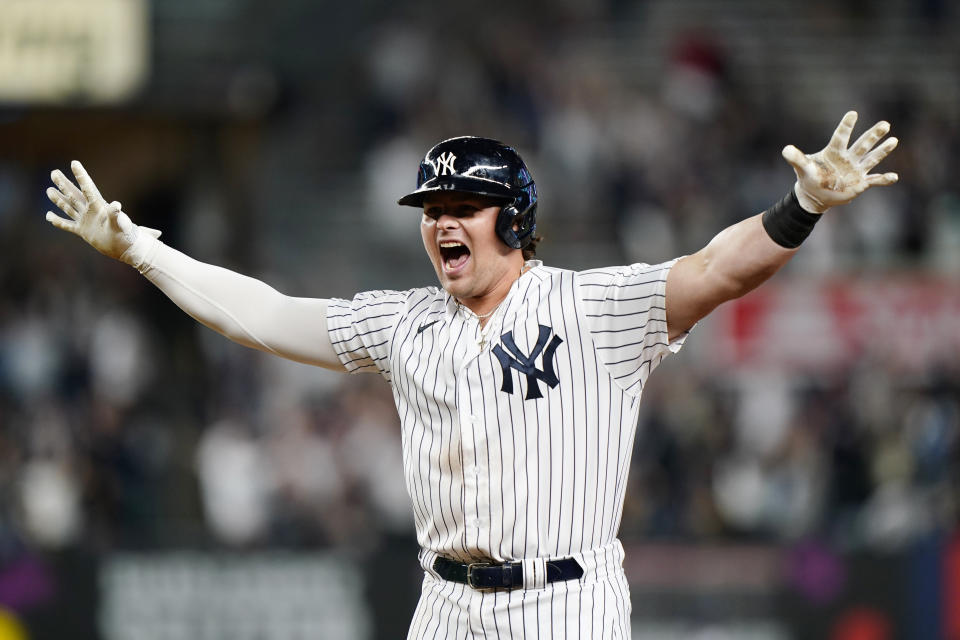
(475, 472)
(482, 472)
(469, 443)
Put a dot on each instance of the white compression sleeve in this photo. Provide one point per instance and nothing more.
(241, 308)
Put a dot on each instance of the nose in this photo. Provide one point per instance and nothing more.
(447, 221)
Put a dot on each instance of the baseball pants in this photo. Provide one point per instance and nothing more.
(595, 606)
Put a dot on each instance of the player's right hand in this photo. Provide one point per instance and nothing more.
(103, 225)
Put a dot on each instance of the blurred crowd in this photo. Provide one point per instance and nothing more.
(123, 424)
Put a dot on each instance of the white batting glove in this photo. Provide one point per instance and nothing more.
(104, 226)
(837, 174)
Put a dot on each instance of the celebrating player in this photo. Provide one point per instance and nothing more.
(517, 384)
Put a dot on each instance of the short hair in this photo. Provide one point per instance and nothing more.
(530, 251)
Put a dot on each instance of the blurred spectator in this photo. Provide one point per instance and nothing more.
(647, 136)
(235, 483)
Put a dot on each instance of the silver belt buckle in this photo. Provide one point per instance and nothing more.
(470, 568)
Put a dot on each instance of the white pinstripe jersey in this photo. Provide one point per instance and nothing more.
(519, 448)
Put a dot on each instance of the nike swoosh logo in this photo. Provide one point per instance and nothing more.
(424, 327)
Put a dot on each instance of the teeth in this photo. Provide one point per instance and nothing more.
(449, 244)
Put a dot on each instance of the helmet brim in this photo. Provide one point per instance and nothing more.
(465, 184)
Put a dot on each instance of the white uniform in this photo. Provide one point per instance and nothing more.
(517, 437)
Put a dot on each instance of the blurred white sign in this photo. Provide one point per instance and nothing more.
(72, 51)
(196, 596)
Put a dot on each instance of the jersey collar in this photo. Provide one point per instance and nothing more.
(450, 303)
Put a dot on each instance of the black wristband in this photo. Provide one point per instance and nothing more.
(787, 223)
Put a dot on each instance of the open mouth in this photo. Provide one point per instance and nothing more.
(453, 254)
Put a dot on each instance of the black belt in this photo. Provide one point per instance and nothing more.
(486, 575)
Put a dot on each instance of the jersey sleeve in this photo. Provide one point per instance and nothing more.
(626, 313)
(362, 329)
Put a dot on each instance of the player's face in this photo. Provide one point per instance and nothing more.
(459, 234)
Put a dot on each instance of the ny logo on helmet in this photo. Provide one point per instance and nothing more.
(443, 165)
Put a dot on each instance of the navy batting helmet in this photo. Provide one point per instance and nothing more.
(485, 167)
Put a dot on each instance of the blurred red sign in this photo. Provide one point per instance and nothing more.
(909, 323)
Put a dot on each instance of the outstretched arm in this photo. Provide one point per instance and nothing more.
(745, 254)
(243, 309)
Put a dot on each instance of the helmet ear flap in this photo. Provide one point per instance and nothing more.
(516, 238)
(508, 214)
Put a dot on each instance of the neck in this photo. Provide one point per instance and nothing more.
(484, 306)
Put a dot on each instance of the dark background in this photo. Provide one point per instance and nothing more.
(147, 464)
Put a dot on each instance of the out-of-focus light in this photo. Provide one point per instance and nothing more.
(72, 51)
(10, 626)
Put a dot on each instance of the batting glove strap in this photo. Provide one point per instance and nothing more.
(787, 223)
(140, 254)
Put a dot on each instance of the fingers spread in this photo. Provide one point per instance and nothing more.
(60, 223)
(796, 158)
(841, 137)
(873, 158)
(65, 185)
(882, 179)
(865, 142)
(86, 183)
(58, 199)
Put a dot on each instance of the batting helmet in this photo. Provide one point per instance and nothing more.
(485, 167)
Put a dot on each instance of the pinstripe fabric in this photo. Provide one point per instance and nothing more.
(495, 472)
(596, 606)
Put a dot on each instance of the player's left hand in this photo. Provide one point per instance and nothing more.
(838, 174)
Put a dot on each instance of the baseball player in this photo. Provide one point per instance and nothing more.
(517, 384)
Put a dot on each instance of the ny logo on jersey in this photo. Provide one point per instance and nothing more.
(443, 165)
(525, 364)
